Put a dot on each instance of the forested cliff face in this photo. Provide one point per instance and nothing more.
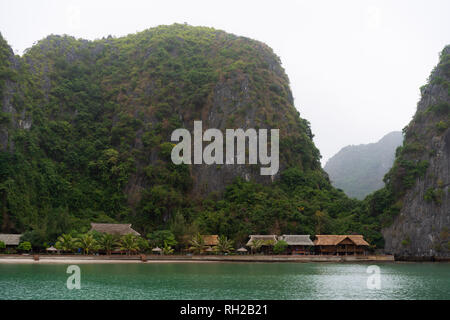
(420, 178)
(359, 169)
(85, 137)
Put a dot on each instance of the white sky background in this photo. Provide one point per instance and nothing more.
(355, 66)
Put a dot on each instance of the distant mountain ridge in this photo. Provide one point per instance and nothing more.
(359, 169)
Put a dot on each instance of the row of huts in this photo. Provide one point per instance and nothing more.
(296, 244)
(322, 244)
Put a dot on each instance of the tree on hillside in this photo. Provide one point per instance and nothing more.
(321, 221)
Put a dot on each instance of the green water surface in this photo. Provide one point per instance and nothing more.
(226, 281)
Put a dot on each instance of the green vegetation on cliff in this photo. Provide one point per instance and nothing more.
(86, 138)
(417, 181)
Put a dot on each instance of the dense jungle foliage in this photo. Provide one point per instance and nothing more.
(85, 137)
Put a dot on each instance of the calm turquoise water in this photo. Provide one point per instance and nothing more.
(226, 281)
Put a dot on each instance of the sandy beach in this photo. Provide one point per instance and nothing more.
(91, 261)
(71, 259)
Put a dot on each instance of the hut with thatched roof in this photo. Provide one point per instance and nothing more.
(211, 240)
(114, 228)
(297, 243)
(341, 244)
(10, 240)
(267, 242)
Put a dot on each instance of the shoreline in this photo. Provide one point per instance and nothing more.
(75, 259)
(119, 259)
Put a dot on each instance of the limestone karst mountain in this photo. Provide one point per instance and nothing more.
(85, 137)
(420, 178)
(359, 169)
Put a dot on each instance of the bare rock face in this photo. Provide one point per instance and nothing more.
(7, 62)
(11, 117)
(422, 229)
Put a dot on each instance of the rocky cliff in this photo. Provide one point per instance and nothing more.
(86, 126)
(165, 78)
(420, 177)
(359, 169)
(10, 117)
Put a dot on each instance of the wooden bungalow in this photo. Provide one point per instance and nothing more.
(297, 243)
(120, 229)
(340, 244)
(268, 241)
(10, 240)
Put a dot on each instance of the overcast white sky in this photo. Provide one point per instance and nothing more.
(355, 66)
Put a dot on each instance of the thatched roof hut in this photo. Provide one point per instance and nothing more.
(114, 228)
(10, 239)
(211, 240)
(297, 239)
(268, 239)
(334, 240)
(340, 244)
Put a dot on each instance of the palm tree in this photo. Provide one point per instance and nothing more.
(167, 249)
(224, 245)
(143, 244)
(129, 243)
(256, 244)
(66, 243)
(197, 244)
(108, 242)
(87, 243)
